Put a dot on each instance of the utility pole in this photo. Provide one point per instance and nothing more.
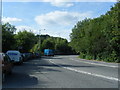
(1, 41)
(59, 34)
(39, 41)
(0, 25)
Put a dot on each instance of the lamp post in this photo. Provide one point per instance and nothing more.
(39, 41)
(1, 26)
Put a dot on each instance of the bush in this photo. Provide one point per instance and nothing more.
(89, 57)
(82, 55)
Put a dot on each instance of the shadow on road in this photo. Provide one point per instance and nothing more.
(18, 80)
(58, 65)
(40, 66)
(48, 64)
(28, 74)
(45, 63)
(51, 57)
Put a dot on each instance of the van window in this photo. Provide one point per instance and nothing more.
(12, 54)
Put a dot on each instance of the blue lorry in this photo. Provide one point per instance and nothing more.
(48, 52)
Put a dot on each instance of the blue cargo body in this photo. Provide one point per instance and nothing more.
(48, 52)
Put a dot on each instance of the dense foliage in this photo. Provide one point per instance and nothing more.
(25, 41)
(98, 38)
(60, 45)
(8, 40)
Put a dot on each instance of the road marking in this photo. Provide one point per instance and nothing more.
(88, 73)
(96, 64)
(32, 75)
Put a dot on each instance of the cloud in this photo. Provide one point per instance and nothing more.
(60, 22)
(9, 19)
(44, 32)
(95, 0)
(60, 1)
(61, 18)
(59, 33)
(57, 3)
(62, 4)
(27, 28)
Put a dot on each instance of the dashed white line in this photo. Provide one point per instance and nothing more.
(84, 72)
(32, 75)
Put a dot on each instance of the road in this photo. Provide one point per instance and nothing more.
(66, 71)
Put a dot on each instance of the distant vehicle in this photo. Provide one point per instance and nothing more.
(24, 58)
(7, 65)
(28, 55)
(37, 55)
(48, 52)
(15, 55)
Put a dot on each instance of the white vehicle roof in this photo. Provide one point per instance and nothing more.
(13, 51)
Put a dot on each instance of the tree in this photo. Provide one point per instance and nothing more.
(98, 38)
(48, 44)
(60, 45)
(8, 41)
(25, 41)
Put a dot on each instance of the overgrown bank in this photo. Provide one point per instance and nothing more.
(98, 38)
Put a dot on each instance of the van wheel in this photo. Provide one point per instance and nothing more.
(3, 77)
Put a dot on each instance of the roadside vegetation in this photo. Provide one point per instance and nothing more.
(25, 41)
(98, 38)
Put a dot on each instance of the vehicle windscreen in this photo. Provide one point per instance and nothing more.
(12, 54)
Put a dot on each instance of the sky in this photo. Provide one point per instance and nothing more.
(51, 17)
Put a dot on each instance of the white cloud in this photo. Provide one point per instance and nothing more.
(57, 3)
(27, 28)
(69, 3)
(9, 19)
(59, 33)
(60, 22)
(60, 18)
(77, 0)
(62, 4)
(60, 1)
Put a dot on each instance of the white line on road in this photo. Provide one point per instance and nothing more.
(95, 63)
(88, 73)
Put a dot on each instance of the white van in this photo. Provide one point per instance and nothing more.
(15, 55)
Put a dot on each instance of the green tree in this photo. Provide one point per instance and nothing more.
(25, 41)
(98, 38)
(61, 46)
(48, 44)
(8, 37)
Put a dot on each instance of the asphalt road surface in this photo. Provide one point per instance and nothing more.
(66, 71)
